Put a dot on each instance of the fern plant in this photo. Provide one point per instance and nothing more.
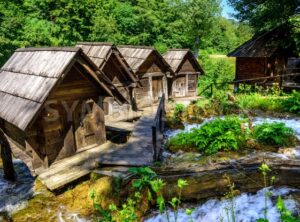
(221, 134)
(292, 104)
(276, 134)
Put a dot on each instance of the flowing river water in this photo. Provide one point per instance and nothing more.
(248, 207)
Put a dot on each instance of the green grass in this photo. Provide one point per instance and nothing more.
(258, 101)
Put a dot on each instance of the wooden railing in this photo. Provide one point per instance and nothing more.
(264, 78)
(209, 87)
(158, 127)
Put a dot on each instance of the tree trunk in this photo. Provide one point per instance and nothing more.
(197, 45)
(8, 167)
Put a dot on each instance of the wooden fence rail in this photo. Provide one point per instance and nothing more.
(264, 78)
(158, 127)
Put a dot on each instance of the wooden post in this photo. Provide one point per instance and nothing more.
(236, 88)
(154, 143)
(8, 167)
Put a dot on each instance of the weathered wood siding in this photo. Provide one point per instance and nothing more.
(187, 67)
(192, 85)
(179, 86)
(144, 94)
(157, 88)
(185, 85)
(248, 68)
(114, 70)
(70, 121)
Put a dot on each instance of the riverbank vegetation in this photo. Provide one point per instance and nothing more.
(147, 190)
(229, 134)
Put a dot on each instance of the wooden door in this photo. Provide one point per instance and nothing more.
(179, 87)
(192, 85)
(84, 128)
(157, 88)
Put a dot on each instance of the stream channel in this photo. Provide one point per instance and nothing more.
(248, 207)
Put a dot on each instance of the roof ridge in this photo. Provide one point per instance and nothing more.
(136, 47)
(95, 43)
(32, 49)
(177, 49)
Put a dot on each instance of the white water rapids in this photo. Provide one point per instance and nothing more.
(247, 208)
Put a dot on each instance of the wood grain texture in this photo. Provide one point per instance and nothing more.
(182, 60)
(31, 74)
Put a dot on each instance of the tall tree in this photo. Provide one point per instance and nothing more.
(265, 14)
(200, 16)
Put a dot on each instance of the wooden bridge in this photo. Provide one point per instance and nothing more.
(142, 149)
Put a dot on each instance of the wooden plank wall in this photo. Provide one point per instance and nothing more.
(144, 94)
(247, 68)
(74, 121)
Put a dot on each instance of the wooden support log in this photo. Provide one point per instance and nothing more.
(8, 167)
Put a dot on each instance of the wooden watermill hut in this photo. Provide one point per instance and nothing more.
(152, 70)
(110, 61)
(51, 103)
(187, 70)
(264, 56)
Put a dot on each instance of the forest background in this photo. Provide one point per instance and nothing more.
(195, 24)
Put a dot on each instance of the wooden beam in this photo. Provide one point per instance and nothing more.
(8, 166)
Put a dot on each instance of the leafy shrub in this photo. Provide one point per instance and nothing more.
(177, 114)
(292, 104)
(220, 134)
(179, 109)
(182, 141)
(276, 134)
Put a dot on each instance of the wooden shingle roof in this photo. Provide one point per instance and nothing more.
(100, 52)
(30, 75)
(275, 42)
(176, 58)
(97, 51)
(135, 56)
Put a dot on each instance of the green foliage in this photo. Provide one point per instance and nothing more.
(265, 14)
(292, 104)
(177, 114)
(217, 73)
(200, 15)
(285, 214)
(226, 35)
(160, 23)
(276, 134)
(145, 175)
(220, 134)
(262, 102)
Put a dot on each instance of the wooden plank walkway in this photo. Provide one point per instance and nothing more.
(138, 151)
(120, 126)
